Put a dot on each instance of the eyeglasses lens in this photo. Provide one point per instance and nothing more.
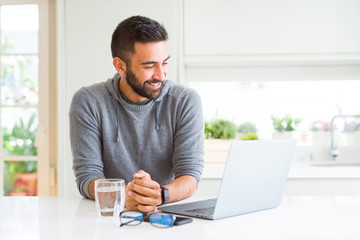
(131, 218)
(161, 220)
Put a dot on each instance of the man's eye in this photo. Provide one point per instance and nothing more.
(149, 67)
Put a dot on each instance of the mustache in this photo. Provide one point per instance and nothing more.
(152, 81)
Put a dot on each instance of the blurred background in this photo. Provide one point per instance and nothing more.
(264, 69)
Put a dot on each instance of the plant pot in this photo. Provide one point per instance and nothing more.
(284, 135)
(216, 150)
(353, 138)
(30, 180)
(321, 138)
(17, 194)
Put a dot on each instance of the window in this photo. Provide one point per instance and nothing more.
(313, 102)
(24, 66)
(256, 102)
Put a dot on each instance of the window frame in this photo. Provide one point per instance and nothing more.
(45, 180)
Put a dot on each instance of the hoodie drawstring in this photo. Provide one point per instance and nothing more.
(117, 122)
(157, 115)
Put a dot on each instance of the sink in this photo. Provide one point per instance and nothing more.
(334, 163)
(319, 156)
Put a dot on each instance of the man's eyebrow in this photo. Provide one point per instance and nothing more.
(166, 59)
(153, 62)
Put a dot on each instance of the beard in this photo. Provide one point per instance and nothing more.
(141, 89)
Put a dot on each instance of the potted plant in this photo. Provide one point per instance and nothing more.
(352, 130)
(220, 129)
(247, 131)
(20, 178)
(285, 126)
(219, 134)
(320, 132)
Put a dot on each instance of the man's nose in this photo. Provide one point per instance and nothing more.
(160, 73)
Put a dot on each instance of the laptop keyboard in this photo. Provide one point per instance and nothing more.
(204, 210)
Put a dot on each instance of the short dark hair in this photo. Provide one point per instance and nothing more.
(135, 29)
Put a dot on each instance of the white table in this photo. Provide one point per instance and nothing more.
(75, 218)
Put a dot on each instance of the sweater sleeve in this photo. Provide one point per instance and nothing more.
(188, 157)
(85, 138)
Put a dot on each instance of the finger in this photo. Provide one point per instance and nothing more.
(144, 200)
(146, 183)
(145, 208)
(131, 204)
(145, 191)
(142, 174)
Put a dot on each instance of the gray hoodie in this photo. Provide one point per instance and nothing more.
(112, 138)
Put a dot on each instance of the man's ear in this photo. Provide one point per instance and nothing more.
(119, 65)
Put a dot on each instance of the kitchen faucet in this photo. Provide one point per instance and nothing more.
(333, 149)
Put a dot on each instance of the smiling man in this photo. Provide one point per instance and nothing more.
(138, 126)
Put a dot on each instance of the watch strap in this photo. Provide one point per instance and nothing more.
(164, 195)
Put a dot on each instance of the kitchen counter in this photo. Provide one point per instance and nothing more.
(298, 170)
(76, 218)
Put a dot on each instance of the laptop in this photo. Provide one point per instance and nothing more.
(254, 179)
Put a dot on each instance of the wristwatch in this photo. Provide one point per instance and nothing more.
(164, 195)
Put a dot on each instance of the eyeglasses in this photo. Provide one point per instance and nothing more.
(133, 218)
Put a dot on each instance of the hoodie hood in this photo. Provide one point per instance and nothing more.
(112, 86)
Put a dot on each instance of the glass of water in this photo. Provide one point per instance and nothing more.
(110, 196)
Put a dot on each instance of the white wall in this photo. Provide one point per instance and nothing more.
(84, 57)
(271, 27)
(267, 40)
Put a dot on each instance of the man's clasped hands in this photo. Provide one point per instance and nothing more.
(143, 193)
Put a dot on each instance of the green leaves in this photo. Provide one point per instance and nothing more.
(14, 167)
(247, 127)
(220, 129)
(20, 140)
(285, 123)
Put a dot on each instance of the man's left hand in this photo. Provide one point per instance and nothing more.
(143, 193)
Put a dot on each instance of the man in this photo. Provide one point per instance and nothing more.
(138, 126)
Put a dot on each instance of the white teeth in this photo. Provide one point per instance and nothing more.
(154, 84)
